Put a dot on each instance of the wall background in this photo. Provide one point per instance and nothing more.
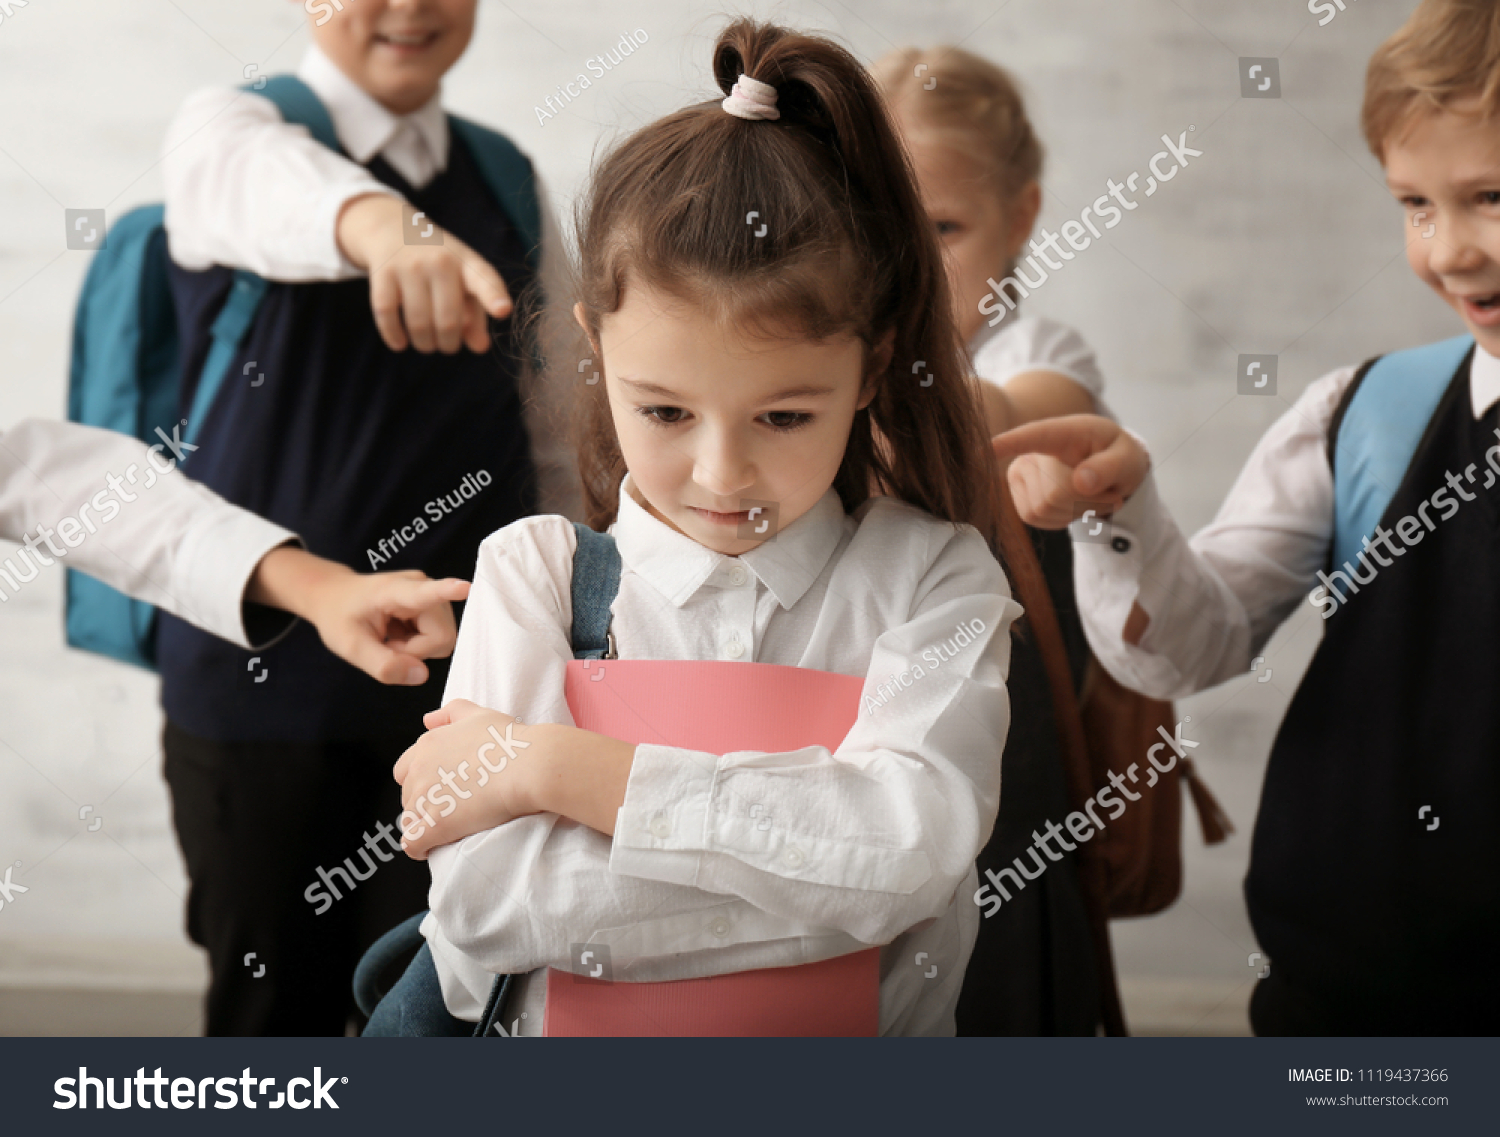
(1280, 239)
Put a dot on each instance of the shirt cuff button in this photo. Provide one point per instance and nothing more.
(719, 927)
(661, 828)
(1120, 544)
(794, 857)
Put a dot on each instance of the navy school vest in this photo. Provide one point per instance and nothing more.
(323, 429)
(1383, 913)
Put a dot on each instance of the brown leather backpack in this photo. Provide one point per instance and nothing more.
(1134, 866)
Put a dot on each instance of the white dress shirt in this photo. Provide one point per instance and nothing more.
(159, 537)
(247, 190)
(1216, 600)
(1035, 343)
(870, 844)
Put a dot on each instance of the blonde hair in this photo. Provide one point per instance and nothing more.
(961, 97)
(1449, 51)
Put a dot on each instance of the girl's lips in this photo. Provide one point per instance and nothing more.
(713, 518)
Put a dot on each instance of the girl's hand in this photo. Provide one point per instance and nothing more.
(1060, 462)
(484, 768)
(468, 773)
(385, 624)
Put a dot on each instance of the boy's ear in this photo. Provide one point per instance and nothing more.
(1023, 210)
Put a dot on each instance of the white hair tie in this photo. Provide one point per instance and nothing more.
(752, 99)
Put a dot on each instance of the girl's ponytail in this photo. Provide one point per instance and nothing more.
(843, 245)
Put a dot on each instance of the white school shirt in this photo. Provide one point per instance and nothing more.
(177, 545)
(1034, 343)
(1214, 601)
(247, 190)
(872, 844)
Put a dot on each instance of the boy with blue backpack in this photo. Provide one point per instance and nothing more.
(1374, 881)
(340, 259)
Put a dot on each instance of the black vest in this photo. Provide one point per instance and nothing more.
(347, 443)
(1388, 923)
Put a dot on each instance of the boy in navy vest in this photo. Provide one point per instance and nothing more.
(377, 408)
(1374, 881)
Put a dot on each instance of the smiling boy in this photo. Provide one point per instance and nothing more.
(1374, 880)
(389, 373)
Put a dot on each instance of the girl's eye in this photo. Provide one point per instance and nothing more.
(948, 228)
(785, 421)
(1414, 202)
(663, 416)
(1490, 197)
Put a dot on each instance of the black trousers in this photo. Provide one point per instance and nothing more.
(294, 869)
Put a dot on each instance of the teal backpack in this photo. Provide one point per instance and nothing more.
(124, 374)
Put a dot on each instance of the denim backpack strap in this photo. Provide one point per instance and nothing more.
(596, 582)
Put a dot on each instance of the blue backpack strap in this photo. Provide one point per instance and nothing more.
(511, 179)
(596, 582)
(298, 104)
(1379, 434)
(233, 321)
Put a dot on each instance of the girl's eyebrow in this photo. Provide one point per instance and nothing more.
(807, 391)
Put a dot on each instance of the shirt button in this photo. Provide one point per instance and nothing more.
(735, 650)
(738, 575)
(794, 857)
(719, 927)
(1120, 544)
(660, 827)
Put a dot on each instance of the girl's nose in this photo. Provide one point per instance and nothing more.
(723, 468)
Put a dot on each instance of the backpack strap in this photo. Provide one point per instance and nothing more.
(233, 321)
(1378, 429)
(596, 583)
(511, 178)
(300, 106)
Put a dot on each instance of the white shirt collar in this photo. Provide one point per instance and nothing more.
(364, 127)
(1484, 381)
(677, 566)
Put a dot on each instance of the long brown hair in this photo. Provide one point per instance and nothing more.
(846, 248)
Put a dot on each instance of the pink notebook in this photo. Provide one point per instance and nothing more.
(718, 707)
